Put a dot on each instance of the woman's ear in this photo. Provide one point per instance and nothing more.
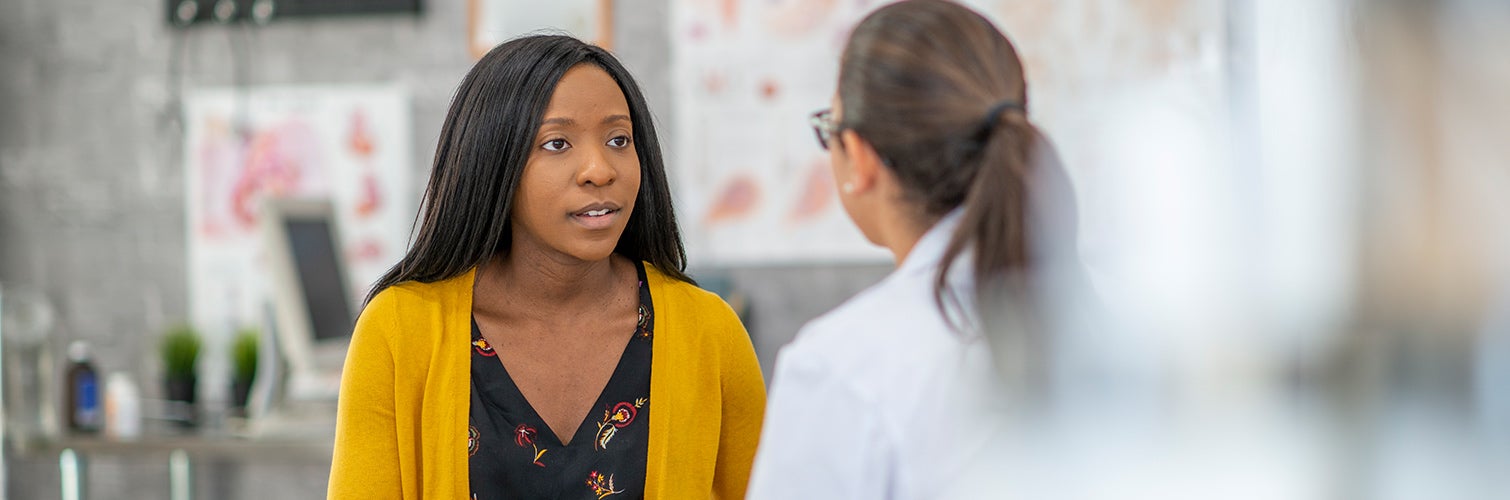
(864, 163)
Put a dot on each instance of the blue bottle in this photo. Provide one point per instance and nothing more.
(84, 412)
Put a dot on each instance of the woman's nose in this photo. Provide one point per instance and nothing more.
(596, 169)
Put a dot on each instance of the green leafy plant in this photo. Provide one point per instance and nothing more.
(244, 354)
(180, 350)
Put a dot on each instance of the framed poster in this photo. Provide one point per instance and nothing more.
(491, 22)
(349, 144)
(754, 187)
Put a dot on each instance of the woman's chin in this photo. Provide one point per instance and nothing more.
(591, 253)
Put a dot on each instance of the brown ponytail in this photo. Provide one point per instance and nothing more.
(994, 223)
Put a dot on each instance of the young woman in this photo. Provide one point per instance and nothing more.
(540, 340)
(893, 394)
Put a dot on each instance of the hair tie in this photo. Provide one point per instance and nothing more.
(972, 145)
(995, 113)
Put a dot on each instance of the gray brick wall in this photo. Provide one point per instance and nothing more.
(91, 180)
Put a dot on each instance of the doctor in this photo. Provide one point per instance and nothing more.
(893, 394)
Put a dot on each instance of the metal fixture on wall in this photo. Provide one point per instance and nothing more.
(225, 10)
(184, 13)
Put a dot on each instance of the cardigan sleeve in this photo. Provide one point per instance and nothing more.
(366, 459)
(743, 396)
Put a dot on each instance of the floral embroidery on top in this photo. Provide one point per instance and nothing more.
(524, 435)
(482, 347)
(602, 486)
(611, 463)
(615, 418)
(642, 325)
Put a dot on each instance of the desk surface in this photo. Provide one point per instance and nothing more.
(308, 446)
(232, 448)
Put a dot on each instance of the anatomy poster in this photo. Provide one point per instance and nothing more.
(754, 186)
(348, 144)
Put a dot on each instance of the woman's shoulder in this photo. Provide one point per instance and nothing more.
(684, 294)
(878, 307)
(412, 304)
(893, 323)
(410, 295)
(689, 308)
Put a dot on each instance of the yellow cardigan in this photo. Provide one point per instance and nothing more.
(401, 425)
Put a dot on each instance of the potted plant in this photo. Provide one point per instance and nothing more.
(244, 364)
(180, 351)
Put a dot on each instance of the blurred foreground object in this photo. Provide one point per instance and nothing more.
(29, 367)
(1424, 372)
(1307, 285)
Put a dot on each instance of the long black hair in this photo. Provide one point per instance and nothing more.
(940, 94)
(484, 145)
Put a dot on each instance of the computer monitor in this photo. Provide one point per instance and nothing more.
(312, 307)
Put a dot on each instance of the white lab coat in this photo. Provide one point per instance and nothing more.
(880, 398)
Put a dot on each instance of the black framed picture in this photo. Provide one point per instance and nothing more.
(187, 12)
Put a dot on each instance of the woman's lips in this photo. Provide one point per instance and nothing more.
(598, 216)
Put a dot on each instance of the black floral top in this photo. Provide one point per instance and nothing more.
(515, 455)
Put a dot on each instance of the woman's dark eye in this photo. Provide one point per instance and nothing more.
(619, 142)
(555, 145)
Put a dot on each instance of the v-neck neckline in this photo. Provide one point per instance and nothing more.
(506, 382)
(643, 331)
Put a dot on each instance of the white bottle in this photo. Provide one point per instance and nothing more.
(123, 408)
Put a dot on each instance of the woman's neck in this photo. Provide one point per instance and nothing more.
(901, 228)
(528, 277)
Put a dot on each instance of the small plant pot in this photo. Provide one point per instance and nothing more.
(241, 390)
(180, 391)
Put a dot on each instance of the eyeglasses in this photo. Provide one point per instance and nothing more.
(824, 126)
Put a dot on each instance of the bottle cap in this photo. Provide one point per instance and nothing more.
(78, 351)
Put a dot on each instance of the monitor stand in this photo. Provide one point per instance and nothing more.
(288, 402)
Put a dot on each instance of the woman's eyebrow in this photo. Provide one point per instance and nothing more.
(570, 122)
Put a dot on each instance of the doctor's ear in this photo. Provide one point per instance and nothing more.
(864, 163)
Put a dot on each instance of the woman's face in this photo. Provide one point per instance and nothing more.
(580, 183)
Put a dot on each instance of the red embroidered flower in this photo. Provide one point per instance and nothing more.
(524, 435)
(617, 417)
(623, 414)
(482, 347)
